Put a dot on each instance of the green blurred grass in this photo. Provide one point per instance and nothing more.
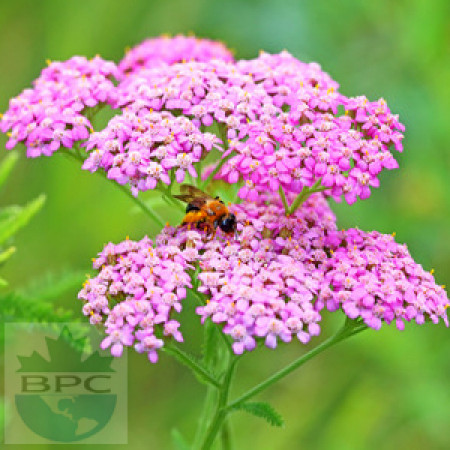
(383, 389)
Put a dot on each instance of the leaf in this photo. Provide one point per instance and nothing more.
(178, 440)
(198, 369)
(7, 165)
(10, 226)
(7, 254)
(9, 211)
(3, 283)
(262, 410)
(51, 286)
(16, 307)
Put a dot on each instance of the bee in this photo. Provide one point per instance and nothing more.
(205, 211)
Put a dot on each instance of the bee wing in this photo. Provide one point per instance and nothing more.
(191, 194)
(194, 192)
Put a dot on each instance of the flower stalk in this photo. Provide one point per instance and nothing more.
(221, 163)
(220, 413)
(350, 328)
(304, 195)
(223, 408)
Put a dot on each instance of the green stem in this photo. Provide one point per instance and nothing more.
(216, 171)
(284, 200)
(205, 417)
(225, 435)
(198, 180)
(155, 217)
(77, 155)
(305, 193)
(168, 197)
(172, 180)
(189, 362)
(217, 362)
(78, 152)
(226, 339)
(350, 328)
(223, 136)
(221, 412)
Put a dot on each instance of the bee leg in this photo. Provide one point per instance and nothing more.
(185, 223)
(207, 229)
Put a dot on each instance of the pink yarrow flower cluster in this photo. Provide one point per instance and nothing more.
(281, 131)
(141, 148)
(171, 50)
(204, 92)
(280, 122)
(372, 277)
(270, 284)
(151, 138)
(50, 115)
(263, 285)
(318, 137)
(134, 295)
(259, 287)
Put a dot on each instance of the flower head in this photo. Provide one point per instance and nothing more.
(135, 294)
(312, 135)
(50, 115)
(260, 286)
(268, 285)
(165, 117)
(372, 277)
(142, 148)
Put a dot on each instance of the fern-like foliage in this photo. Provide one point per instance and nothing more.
(52, 286)
(35, 303)
(17, 308)
(13, 217)
(262, 410)
(202, 373)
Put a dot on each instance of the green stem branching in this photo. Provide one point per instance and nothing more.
(219, 424)
(190, 362)
(350, 328)
(304, 194)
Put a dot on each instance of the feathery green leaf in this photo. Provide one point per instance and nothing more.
(262, 410)
(198, 369)
(14, 307)
(6, 166)
(14, 222)
(52, 286)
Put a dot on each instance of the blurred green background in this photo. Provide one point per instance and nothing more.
(383, 390)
